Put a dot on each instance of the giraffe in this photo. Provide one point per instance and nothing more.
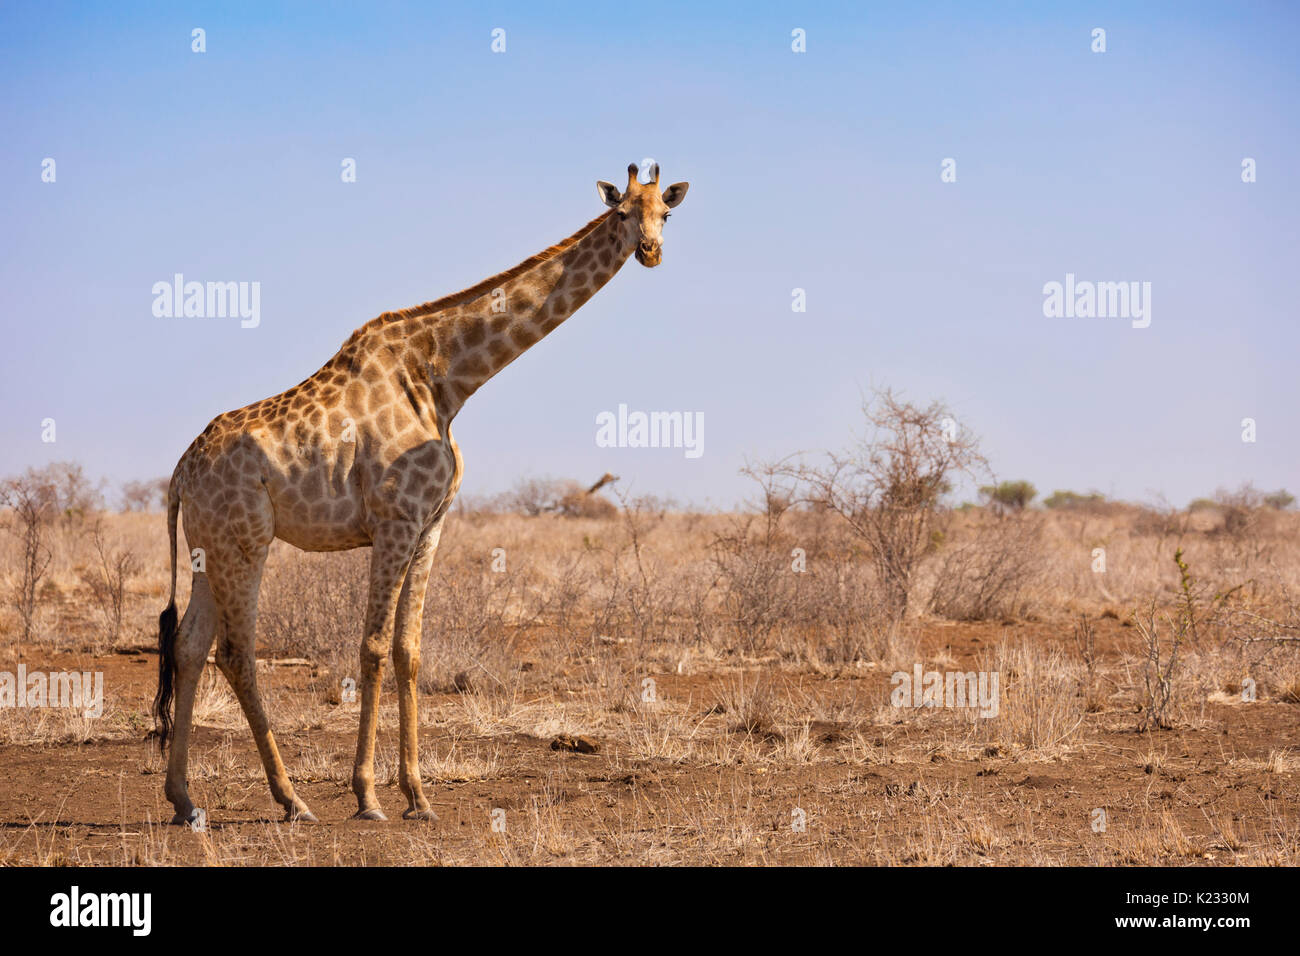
(577, 502)
(361, 454)
(601, 482)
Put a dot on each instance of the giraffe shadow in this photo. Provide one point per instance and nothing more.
(116, 826)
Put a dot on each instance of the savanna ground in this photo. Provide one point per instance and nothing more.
(727, 695)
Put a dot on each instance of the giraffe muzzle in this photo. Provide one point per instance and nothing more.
(649, 254)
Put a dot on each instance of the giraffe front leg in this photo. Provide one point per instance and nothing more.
(390, 557)
(363, 769)
(406, 657)
(406, 665)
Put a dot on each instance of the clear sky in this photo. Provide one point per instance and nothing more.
(818, 170)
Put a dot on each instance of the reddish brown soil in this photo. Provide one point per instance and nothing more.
(923, 797)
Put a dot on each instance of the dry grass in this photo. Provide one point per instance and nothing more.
(768, 694)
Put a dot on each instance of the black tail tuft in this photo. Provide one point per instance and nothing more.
(162, 702)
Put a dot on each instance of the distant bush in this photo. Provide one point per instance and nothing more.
(531, 497)
(1161, 521)
(1280, 499)
(145, 495)
(578, 502)
(1010, 495)
(63, 488)
(1072, 501)
(1239, 509)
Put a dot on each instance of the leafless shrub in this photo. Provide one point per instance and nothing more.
(145, 495)
(75, 496)
(1161, 520)
(889, 488)
(313, 606)
(562, 597)
(32, 500)
(758, 577)
(533, 496)
(1246, 535)
(990, 575)
(477, 508)
(1085, 643)
(1240, 509)
(1163, 635)
(107, 577)
(846, 615)
(1162, 639)
(473, 617)
(1257, 642)
(640, 600)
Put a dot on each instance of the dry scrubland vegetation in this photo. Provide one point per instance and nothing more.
(721, 688)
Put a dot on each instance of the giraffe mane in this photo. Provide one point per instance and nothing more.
(490, 283)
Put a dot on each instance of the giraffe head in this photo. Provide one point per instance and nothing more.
(643, 210)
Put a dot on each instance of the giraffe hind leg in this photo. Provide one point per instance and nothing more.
(193, 641)
(236, 577)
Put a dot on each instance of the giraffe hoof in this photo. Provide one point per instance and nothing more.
(375, 814)
(196, 820)
(300, 816)
(426, 815)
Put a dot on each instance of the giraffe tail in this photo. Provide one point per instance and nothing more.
(167, 627)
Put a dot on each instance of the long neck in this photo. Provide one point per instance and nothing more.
(480, 331)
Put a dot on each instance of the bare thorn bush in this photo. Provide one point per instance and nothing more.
(889, 488)
(32, 502)
(107, 577)
(989, 576)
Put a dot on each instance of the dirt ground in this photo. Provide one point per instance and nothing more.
(747, 762)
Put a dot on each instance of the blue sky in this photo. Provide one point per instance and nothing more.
(818, 170)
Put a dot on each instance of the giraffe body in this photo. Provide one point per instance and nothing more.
(361, 454)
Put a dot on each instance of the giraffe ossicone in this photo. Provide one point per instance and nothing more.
(361, 454)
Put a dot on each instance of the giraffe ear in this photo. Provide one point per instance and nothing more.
(609, 193)
(675, 193)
